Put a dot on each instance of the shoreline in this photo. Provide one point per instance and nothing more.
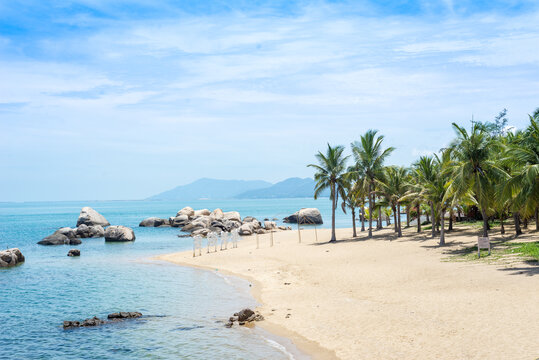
(275, 331)
(385, 297)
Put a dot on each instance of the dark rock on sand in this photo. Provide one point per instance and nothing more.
(243, 317)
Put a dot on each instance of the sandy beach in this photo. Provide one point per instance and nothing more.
(387, 298)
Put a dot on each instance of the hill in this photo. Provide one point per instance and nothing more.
(289, 188)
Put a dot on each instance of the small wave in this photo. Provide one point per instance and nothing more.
(279, 347)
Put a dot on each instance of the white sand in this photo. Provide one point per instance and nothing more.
(382, 299)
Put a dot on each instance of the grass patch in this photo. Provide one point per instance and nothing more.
(527, 250)
(478, 223)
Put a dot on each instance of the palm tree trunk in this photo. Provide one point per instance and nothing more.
(450, 220)
(433, 229)
(408, 216)
(502, 231)
(418, 218)
(427, 215)
(485, 222)
(388, 219)
(442, 230)
(371, 201)
(333, 206)
(516, 218)
(354, 222)
(363, 217)
(379, 222)
(525, 223)
(458, 214)
(537, 219)
(395, 219)
(399, 219)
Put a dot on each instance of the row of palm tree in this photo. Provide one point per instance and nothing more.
(487, 167)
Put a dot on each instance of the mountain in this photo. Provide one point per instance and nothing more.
(210, 189)
(289, 188)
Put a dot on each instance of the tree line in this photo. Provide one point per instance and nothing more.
(489, 167)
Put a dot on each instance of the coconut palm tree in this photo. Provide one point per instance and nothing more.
(393, 186)
(473, 169)
(331, 173)
(425, 173)
(354, 199)
(369, 157)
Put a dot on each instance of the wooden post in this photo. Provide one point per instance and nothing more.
(257, 243)
(271, 236)
(315, 233)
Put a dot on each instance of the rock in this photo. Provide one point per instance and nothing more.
(124, 315)
(187, 211)
(282, 228)
(246, 229)
(261, 231)
(59, 239)
(266, 219)
(11, 257)
(89, 216)
(92, 322)
(201, 232)
(73, 252)
(202, 222)
(203, 212)
(249, 219)
(69, 232)
(269, 225)
(217, 214)
(94, 231)
(306, 216)
(229, 324)
(232, 215)
(153, 222)
(179, 221)
(71, 324)
(119, 233)
(244, 314)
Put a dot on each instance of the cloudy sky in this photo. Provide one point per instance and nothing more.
(113, 99)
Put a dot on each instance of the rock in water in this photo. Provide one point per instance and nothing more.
(244, 314)
(124, 315)
(59, 239)
(306, 216)
(69, 232)
(93, 231)
(89, 216)
(153, 222)
(187, 211)
(73, 252)
(119, 233)
(11, 257)
(180, 220)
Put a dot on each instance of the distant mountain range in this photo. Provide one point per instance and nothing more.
(240, 189)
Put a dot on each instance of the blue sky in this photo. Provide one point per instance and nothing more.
(125, 99)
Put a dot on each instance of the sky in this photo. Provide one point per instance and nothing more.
(125, 99)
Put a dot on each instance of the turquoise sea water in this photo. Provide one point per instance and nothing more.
(183, 305)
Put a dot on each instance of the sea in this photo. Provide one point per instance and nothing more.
(184, 308)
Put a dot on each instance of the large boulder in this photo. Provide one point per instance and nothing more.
(119, 233)
(232, 215)
(202, 222)
(253, 221)
(89, 216)
(201, 232)
(95, 231)
(69, 232)
(186, 211)
(11, 257)
(269, 225)
(178, 221)
(59, 239)
(153, 222)
(203, 212)
(246, 229)
(217, 214)
(306, 216)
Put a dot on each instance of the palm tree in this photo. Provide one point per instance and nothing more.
(370, 158)
(354, 199)
(330, 173)
(393, 187)
(473, 169)
(425, 174)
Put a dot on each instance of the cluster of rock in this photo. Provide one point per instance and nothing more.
(243, 317)
(95, 321)
(202, 222)
(11, 257)
(90, 224)
(305, 216)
